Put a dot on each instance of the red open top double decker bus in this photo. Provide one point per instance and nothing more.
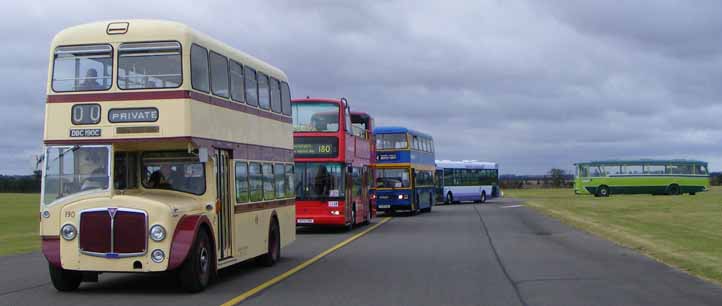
(333, 163)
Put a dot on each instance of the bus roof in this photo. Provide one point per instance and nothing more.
(139, 30)
(641, 161)
(397, 130)
(466, 164)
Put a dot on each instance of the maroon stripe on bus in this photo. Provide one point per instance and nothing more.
(159, 95)
(240, 150)
(118, 96)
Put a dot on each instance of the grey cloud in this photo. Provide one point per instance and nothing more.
(530, 84)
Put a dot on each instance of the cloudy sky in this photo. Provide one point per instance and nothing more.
(529, 84)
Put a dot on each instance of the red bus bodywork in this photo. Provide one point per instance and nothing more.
(353, 152)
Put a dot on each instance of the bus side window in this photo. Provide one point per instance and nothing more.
(251, 86)
(219, 75)
(275, 96)
(242, 182)
(199, 68)
(255, 182)
(264, 99)
(285, 98)
(237, 85)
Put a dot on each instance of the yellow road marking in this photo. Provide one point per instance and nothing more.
(303, 265)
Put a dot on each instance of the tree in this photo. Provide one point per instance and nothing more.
(557, 177)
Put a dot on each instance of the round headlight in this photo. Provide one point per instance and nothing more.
(401, 197)
(157, 233)
(68, 232)
(157, 256)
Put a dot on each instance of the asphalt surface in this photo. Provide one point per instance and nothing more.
(497, 253)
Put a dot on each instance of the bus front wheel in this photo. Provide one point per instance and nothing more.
(65, 280)
(673, 189)
(196, 270)
(603, 191)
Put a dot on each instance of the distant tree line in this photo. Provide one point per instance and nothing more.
(555, 178)
(20, 183)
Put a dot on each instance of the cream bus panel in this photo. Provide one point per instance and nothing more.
(176, 118)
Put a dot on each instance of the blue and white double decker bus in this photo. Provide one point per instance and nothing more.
(404, 170)
(466, 180)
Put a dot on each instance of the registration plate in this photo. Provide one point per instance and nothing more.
(304, 221)
(384, 206)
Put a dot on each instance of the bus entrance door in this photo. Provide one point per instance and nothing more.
(225, 208)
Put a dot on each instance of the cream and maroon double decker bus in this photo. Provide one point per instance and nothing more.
(165, 150)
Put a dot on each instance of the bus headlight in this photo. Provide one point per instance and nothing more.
(401, 197)
(157, 233)
(68, 232)
(157, 256)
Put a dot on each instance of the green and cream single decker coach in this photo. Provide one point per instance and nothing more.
(673, 177)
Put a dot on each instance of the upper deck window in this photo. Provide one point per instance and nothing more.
(237, 86)
(315, 117)
(251, 86)
(219, 75)
(391, 141)
(264, 98)
(285, 98)
(149, 65)
(82, 68)
(199, 68)
(275, 96)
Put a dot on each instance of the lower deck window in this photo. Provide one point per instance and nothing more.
(173, 170)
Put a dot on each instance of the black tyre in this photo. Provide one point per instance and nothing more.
(195, 273)
(673, 189)
(368, 215)
(692, 193)
(65, 280)
(414, 206)
(353, 219)
(274, 245)
(603, 191)
(431, 202)
(483, 197)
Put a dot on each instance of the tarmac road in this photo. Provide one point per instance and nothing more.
(499, 253)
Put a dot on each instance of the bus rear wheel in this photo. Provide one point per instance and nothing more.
(368, 215)
(673, 189)
(449, 198)
(65, 280)
(603, 191)
(195, 273)
(274, 246)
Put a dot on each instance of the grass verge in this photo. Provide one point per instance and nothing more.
(19, 223)
(681, 231)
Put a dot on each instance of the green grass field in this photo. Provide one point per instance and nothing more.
(19, 223)
(682, 231)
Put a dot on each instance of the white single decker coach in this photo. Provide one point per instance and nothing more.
(466, 180)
